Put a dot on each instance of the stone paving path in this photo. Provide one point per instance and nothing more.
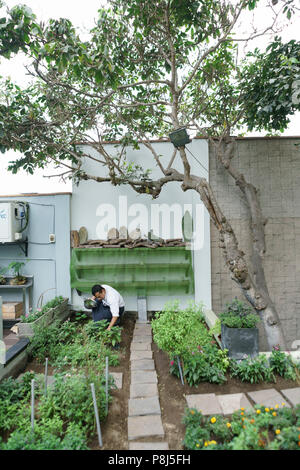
(145, 429)
(210, 403)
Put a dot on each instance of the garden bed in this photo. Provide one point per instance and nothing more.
(171, 394)
(114, 428)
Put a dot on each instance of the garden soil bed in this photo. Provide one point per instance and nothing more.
(171, 394)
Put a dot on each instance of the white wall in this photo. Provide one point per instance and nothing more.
(87, 210)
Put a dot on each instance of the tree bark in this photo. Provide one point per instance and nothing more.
(258, 295)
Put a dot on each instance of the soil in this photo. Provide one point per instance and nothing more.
(171, 395)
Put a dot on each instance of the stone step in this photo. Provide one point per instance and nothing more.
(148, 446)
(138, 390)
(141, 339)
(138, 355)
(143, 377)
(142, 364)
(140, 347)
(145, 426)
(269, 397)
(292, 394)
(207, 403)
(233, 402)
(143, 406)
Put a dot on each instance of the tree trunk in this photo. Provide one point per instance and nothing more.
(253, 286)
(260, 299)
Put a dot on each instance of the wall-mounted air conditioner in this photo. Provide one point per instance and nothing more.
(13, 220)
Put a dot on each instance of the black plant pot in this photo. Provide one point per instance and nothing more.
(240, 341)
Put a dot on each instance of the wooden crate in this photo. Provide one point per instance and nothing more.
(12, 310)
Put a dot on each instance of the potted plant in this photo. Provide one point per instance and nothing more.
(239, 333)
(17, 279)
(3, 279)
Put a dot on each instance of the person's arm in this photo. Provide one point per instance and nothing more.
(112, 322)
(114, 308)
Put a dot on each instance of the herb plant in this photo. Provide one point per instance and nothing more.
(239, 315)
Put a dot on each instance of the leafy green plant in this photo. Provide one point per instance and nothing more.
(239, 315)
(43, 439)
(253, 370)
(179, 332)
(264, 428)
(207, 364)
(39, 312)
(71, 400)
(282, 364)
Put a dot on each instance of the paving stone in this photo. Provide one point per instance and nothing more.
(118, 377)
(143, 377)
(142, 339)
(143, 406)
(148, 446)
(234, 402)
(142, 333)
(136, 355)
(292, 394)
(269, 397)
(143, 364)
(144, 426)
(138, 390)
(140, 326)
(140, 347)
(207, 403)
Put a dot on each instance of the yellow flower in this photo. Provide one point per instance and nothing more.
(213, 420)
(197, 445)
(283, 404)
(274, 414)
(228, 425)
(242, 413)
(277, 431)
(192, 412)
(276, 406)
(271, 408)
(242, 409)
(267, 410)
(205, 443)
(258, 412)
(212, 442)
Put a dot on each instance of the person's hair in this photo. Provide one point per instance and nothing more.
(97, 288)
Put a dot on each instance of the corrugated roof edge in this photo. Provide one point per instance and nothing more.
(113, 142)
(34, 194)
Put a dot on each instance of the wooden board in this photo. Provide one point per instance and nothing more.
(12, 310)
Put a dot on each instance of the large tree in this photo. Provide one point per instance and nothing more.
(148, 68)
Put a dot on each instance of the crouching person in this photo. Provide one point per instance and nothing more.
(110, 305)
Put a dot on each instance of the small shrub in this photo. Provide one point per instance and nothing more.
(179, 332)
(252, 370)
(239, 315)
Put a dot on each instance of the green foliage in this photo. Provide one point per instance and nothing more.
(43, 439)
(239, 315)
(282, 364)
(262, 429)
(179, 332)
(32, 316)
(253, 370)
(207, 364)
(71, 400)
(271, 85)
(14, 396)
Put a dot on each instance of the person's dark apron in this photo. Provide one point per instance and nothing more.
(102, 312)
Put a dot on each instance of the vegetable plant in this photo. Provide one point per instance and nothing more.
(239, 315)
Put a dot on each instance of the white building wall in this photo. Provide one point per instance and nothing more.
(126, 207)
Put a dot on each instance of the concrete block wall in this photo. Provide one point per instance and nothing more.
(273, 166)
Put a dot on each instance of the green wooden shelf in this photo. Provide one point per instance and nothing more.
(135, 271)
